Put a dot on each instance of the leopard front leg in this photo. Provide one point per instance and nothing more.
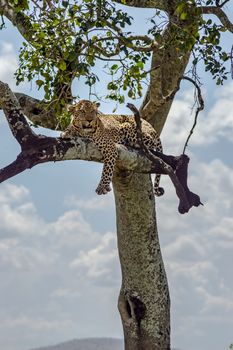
(106, 177)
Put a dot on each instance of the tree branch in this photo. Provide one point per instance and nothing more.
(164, 81)
(16, 120)
(155, 4)
(187, 198)
(36, 149)
(40, 149)
(39, 112)
(18, 19)
(217, 11)
(223, 3)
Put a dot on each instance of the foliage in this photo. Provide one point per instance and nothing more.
(203, 39)
(84, 33)
(209, 50)
(68, 39)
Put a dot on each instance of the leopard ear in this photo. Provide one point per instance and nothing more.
(71, 108)
(97, 104)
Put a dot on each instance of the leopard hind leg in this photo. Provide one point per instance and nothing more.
(158, 191)
(153, 142)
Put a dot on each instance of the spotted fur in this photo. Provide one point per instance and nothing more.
(106, 131)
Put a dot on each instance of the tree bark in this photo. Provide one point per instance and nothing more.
(144, 302)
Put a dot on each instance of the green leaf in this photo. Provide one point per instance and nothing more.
(183, 16)
(39, 83)
(62, 65)
(114, 67)
(65, 3)
(140, 64)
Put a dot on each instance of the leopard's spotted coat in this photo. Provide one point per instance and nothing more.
(106, 130)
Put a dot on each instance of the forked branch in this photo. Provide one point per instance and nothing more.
(175, 167)
(217, 11)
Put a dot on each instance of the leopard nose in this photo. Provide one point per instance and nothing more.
(89, 119)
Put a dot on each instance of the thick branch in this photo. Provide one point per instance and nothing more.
(40, 149)
(155, 4)
(18, 19)
(164, 81)
(36, 149)
(38, 112)
(16, 120)
(217, 11)
(44, 149)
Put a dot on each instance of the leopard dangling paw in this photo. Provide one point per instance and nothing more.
(158, 191)
(103, 189)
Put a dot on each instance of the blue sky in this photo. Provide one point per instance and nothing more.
(59, 267)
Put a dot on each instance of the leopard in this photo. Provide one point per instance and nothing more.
(106, 131)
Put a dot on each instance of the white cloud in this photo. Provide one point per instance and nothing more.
(45, 265)
(216, 303)
(197, 249)
(8, 63)
(99, 261)
(11, 193)
(57, 262)
(93, 203)
(24, 235)
(212, 125)
(65, 293)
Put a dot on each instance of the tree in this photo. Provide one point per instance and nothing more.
(100, 31)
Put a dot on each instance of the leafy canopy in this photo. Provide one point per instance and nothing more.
(67, 39)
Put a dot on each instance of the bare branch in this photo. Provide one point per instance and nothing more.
(200, 108)
(187, 198)
(217, 11)
(16, 120)
(222, 4)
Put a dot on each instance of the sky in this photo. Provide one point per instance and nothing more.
(59, 268)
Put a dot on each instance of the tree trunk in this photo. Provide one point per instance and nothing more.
(144, 302)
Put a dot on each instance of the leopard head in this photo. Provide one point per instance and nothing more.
(85, 117)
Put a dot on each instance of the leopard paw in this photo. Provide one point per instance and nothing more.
(101, 189)
(158, 191)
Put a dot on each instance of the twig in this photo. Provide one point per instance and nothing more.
(231, 62)
(200, 107)
(223, 3)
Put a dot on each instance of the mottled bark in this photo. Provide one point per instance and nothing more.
(38, 112)
(164, 81)
(144, 302)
